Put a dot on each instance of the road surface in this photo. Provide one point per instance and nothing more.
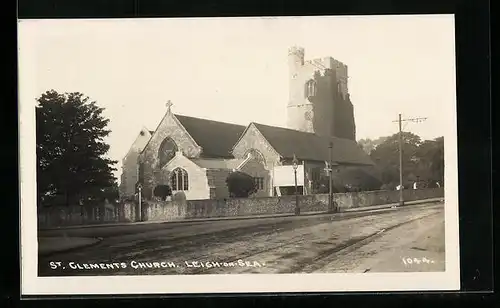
(410, 238)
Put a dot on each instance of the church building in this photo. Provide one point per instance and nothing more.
(196, 156)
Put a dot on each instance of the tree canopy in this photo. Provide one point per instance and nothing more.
(368, 145)
(72, 167)
(422, 160)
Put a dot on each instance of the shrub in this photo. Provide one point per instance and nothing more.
(240, 185)
(162, 191)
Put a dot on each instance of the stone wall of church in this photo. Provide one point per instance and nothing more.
(198, 187)
(325, 110)
(129, 178)
(256, 169)
(168, 127)
(217, 183)
(253, 139)
(129, 175)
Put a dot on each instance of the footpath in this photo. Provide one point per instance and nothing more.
(50, 245)
(414, 247)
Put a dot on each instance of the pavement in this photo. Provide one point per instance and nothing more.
(51, 245)
(389, 239)
(417, 246)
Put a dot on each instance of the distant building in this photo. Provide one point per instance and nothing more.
(195, 155)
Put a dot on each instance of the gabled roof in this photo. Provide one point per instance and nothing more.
(308, 146)
(216, 138)
(217, 163)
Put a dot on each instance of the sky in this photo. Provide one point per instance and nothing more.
(235, 69)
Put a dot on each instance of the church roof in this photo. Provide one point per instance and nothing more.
(308, 146)
(216, 138)
(217, 163)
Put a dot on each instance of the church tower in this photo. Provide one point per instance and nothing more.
(319, 100)
(299, 109)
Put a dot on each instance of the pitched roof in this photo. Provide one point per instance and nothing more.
(217, 163)
(216, 138)
(308, 146)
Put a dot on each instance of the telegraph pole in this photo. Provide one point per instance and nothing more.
(330, 179)
(401, 198)
(400, 121)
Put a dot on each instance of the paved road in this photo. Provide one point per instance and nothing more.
(350, 242)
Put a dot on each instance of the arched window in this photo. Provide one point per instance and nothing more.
(166, 151)
(310, 88)
(256, 155)
(179, 179)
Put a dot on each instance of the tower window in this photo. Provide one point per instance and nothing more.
(310, 88)
(179, 179)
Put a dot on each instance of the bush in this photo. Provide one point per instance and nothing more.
(162, 191)
(240, 185)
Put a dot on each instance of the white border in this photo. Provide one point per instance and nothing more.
(33, 285)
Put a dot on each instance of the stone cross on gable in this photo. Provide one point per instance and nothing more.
(169, 104)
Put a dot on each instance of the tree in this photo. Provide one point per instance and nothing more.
(162, 191)
(111, 193)
(422, 160)
(386, 157)
(240, 185)
(72, 167)
(368, 145)
(431, 160)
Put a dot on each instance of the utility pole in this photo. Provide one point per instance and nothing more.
(330, 179)
(400, 121)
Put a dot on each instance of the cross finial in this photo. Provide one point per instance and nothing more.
(169, 104)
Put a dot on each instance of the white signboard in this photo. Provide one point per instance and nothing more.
(284, 176)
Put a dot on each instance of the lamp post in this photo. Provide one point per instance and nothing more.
(295, 166)
(139, 188)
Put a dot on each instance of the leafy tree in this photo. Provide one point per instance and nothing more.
(368, 145)
(386, 157)
(422, 160)
(111, 193)
(72, 167)
(240, 185)
(431, 160)
(162, 191)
